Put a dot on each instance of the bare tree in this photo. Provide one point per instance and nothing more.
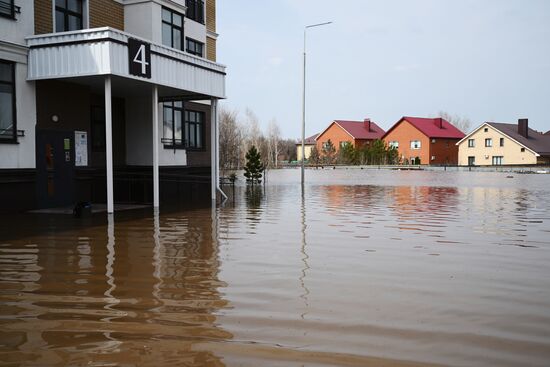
(230, 140)
(460, 122)
(273, 142)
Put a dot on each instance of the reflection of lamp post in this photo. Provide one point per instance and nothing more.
(304, 99)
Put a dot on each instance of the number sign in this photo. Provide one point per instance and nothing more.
(139, 58)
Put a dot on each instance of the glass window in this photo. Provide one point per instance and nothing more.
(172, 113)
(7, 8)
(415, 144)
(195, 10)
(488, 142)
(497, 160)
(471, 143)
(194, 122)
(501, 142)
(194, 47)
(172, 29)
(8, 126)
(394, 144)
(68, 15)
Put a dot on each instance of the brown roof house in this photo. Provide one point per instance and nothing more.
(309, 143)
(495, 143)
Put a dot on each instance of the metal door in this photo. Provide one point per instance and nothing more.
(54, 168)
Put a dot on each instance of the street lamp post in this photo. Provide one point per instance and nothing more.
(304, 100)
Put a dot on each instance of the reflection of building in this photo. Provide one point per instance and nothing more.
(309, 143)
(498, 143)
(356, 133)
(153, 288)
(88, 85)
(424, 140)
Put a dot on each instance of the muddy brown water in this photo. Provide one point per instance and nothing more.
(361, 268)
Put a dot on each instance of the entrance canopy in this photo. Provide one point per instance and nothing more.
(124, 65)
(107, 51)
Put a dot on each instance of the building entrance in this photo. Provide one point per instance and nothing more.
(54, 168)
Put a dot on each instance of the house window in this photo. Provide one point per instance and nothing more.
(415, 144)
(68, 15)
(394, 144)
(172, 29)
(8, 126)
(195, 10)
(471, 143)
(486, 129)
(194, 47)
(344, 144)
(194, 129)
(488, 142)
(172, 121)
(8, 8)
(522, 150)
(497, 160)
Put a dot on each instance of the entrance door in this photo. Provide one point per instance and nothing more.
(54, 168)
(471, 161)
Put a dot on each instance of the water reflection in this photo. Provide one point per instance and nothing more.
(305, 256)
(136, 292)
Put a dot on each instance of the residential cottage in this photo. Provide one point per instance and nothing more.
(357, 133)
(494, 144)
(309, 143)
(424, 140)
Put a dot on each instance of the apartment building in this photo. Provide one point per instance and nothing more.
(107, 100)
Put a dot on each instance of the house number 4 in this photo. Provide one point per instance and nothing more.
(139, 58)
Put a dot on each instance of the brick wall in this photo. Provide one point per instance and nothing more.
(211, 15)
(210, 49)
(404, 133)
(211, 27)
(106, 13)
(336, 135)
(43, 17)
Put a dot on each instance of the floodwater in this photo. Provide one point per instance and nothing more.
(362, 268)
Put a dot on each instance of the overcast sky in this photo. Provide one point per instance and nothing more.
(487, 60)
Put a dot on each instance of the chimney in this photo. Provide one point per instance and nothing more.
(523, 128)
(439, 122)
(367, 124)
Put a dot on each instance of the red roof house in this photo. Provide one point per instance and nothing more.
(425, 140)
(357, 133)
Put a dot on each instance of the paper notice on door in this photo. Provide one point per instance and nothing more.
(80, 148)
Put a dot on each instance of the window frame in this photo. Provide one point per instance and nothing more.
(471, 143)
(501, 142)
(497, 160)
(188, 41)
(488, 142)
(394, 144)
(199, 136)
(416, 145)
(172, 27)
(13, 138)
(13, 9)
(66, 13)
(195, 7)
(172, 142)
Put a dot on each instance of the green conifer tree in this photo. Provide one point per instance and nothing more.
(254, 167)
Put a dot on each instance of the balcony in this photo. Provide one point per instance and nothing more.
(105, 51)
